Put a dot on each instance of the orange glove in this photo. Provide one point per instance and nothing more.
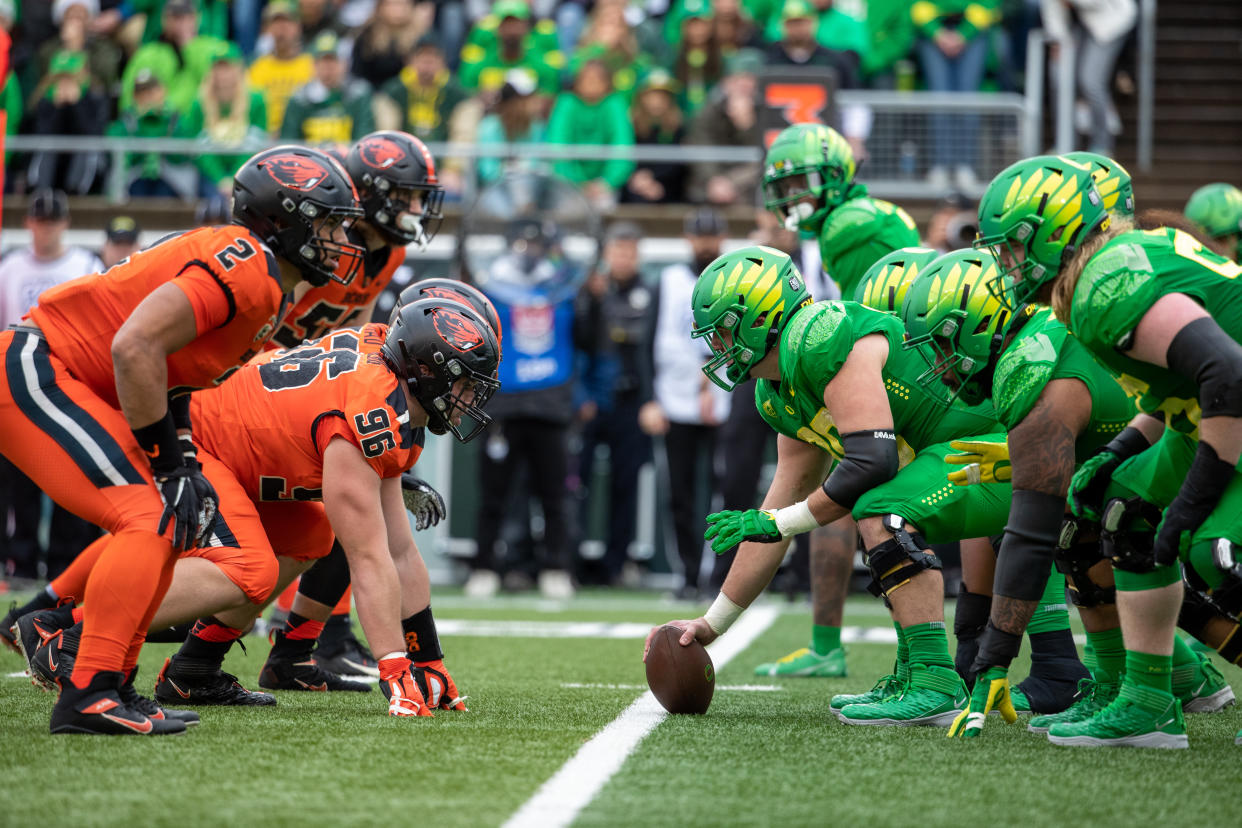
(438, 687)
(400, 686)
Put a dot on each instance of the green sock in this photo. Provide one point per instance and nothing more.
(929, 644)
(825, 639)
(902, 666)
(1088, 656)
(1110, 654)
(1052, 614)
(1182, 654)
(1153, 672)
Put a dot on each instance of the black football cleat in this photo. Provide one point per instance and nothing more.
(98, 709)
(341, 652)
(194, 682)
(292, 674)
(35, 628)
(130, 696)
(51, 665)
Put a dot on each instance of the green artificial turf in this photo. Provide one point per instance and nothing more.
(756, 758)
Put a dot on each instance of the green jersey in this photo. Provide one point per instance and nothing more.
(858, 233)
(1120, 284)
(813, 348)
(1043, 350)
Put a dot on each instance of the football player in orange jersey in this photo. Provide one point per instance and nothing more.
(322, 588)
(338, 421)
(89, 400)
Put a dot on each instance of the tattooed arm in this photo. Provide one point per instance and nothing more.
(1042, 453)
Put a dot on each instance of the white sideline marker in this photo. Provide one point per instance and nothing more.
(559, 800)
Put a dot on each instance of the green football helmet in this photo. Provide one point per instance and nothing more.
(1217, 208)
(807, 172)
(885, 283)
(1111, 179)
(741, 303)
(954, 318)
(1042, 208)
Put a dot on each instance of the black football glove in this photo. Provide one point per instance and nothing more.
(423, 501)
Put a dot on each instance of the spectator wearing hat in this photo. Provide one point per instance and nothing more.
(24, 274)
(213, 16)
(590, 113)
(67, 104)
(609, 38)
(834, 29)
(76, 20)
(730, 119)
(150, 116)
(180, 58)
(516, 119)
(620, 309)
(424, 95)
(277, 74)
(512, 44)
(798, 45)
(120, 240)
(699, 63)
(319, 16)
(386, 42)
(226, 113)
(657, 120)
(334, 107)
(681, 405)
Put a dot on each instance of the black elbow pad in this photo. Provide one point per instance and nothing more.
(1204, 351)
(870, 460)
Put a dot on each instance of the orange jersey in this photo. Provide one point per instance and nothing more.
(334, 305)
(229, 276)
(272, 421)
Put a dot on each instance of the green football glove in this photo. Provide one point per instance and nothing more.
(985, 462)
(991, 693)
(1087, 487)
(729, 528)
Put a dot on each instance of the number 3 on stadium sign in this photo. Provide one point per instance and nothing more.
(373, 445)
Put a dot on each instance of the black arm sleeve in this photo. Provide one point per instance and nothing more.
(870, 460)
(1204, 351)
(1025, 559)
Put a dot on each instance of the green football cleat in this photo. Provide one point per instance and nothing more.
(1093, 696)
(934, 696)
(1201, 688)
(1125, 724)
(1237, 740)
(806, 663)
(1021, 705)
(886, 687)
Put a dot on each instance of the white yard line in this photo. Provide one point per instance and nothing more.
(758, 688)
(559, 801)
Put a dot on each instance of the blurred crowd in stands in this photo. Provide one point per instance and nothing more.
(237, 73)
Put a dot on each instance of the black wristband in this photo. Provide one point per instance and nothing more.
(1031, 536)
(422, 644)
(997, 648)
(159, 441)
(1128, 443)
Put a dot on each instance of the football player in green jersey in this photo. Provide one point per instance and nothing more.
(1059, 406)
(837, 385)
(1217, 208)
(1127, 296)
(809, 185)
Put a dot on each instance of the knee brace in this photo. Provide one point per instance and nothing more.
(1073, 559)
(1197, 611)
(1228, 593)
(1128, 532)
(898, 559)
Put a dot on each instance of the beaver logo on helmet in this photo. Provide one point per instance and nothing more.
(456, 330)
(380, 153)
(295, 172)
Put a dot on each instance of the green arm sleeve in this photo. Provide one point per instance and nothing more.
(617, 172)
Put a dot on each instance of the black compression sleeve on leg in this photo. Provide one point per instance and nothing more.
(1025, 559)
(328, 579)
(870, 460)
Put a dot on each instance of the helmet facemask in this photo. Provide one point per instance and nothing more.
(734, 350)
(317, 225)
(388, 209)
(456, 406)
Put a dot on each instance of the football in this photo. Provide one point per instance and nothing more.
(681, 678)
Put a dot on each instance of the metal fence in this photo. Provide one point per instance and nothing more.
(898, 148)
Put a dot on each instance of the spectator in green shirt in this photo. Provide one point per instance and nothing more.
(608, 37)
(834, 29)
(657, 120)
(214, 15)
(66, 104)
(424, 94)
(591, 113)
(180, 58)
(485, 61)
(699, 63)
(515, 120)
(227, 112)
(334, 108)
(149, 116)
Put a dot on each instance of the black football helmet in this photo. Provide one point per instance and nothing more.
(388, 167)
(294, 198)
(434, 344)
(453, 291)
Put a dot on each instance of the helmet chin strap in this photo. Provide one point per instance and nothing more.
(797, 214)
(409, 223)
